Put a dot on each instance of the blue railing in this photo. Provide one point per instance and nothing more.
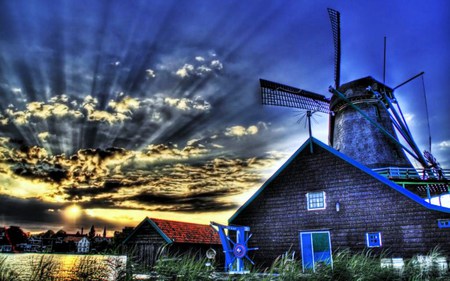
(396, 173)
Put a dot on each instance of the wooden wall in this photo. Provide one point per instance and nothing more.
(144, 246)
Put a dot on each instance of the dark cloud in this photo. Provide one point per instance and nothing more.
(25, 211)
(33, 214)
(44, 171)
(197, 202)
(77, 193)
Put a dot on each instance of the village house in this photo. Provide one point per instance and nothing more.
(70, 243)
(153, 237)
(5, 243)
(83, 245)
(321, 200)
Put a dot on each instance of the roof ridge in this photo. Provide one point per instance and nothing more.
(183, 222)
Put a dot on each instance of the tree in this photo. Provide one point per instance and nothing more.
(92, 232)
(16, 235)
(61, 233)
(48, 234)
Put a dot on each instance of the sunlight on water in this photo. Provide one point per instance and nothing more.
(64, 266)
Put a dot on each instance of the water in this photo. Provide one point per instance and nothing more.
(64, 266)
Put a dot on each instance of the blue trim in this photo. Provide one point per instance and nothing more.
(358, 165)
(153, 224)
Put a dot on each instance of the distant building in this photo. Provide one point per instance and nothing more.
(83, 245)
(322, 200)
(6, 248)
(152, 236)
(5, 243)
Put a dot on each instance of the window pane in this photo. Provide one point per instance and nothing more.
(321, 242)
(316, 200)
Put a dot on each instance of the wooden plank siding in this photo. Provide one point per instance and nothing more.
(278, 214)
(144, 246)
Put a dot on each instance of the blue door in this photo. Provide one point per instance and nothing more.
(316, 248)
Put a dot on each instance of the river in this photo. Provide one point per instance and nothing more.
(61, 267)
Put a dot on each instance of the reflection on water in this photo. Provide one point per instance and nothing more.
(63, 266)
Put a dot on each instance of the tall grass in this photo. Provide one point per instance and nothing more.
(426, 267)
(347, 266)
(186, 267)
(7, 274)
(45, 268)
(362, 266)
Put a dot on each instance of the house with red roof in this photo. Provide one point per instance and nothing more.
(153, 237)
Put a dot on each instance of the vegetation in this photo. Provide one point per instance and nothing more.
(7, 274)
(346, 266)
(44, 268)
(185, 267)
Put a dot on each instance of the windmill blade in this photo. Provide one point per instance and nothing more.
(335, 18)
(281, 95)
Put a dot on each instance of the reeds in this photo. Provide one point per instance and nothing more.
(45, 268)
(184, 267)
(347, 266)
(6, 273)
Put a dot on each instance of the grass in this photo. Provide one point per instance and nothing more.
(47, 268)
(364, 266)
(184, 267)
(347, 266)
(7, 274)
(44, 269)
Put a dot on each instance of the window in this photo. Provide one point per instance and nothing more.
(373, 239)
(315, 200)
(444, 223)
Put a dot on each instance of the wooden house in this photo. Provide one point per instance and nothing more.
(322, 200)
(152, 236)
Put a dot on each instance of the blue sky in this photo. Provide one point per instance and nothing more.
(129, 109)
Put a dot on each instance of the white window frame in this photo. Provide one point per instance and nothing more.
(308, 198)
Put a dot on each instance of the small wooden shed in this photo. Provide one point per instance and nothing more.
(152, 236)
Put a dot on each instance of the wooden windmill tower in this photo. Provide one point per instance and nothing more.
(362, 115)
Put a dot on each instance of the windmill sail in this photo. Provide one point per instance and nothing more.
(335, 18)
(281, 95)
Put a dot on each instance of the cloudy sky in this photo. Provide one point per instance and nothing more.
(115, 110)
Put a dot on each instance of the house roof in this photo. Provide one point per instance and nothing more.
(352, 162)
(71, 238)
(181, 232)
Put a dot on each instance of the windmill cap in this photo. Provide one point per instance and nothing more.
(358, 89)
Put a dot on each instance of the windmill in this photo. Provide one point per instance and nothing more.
(361, 113)
(364, 118)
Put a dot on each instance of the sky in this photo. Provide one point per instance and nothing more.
(112, 111)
